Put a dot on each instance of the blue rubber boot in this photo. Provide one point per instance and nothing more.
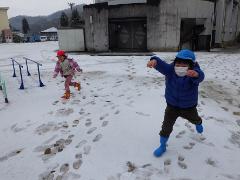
(162, 148)
(199, 128)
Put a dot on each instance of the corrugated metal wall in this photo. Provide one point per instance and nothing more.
(71, 39)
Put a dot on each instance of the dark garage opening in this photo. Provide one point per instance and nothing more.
(190, 36)
(128, 34)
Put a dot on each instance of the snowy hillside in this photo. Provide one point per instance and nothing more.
(109, 129)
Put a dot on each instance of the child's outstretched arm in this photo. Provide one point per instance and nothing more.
(56, 70)
(196, 74)
(159, 65)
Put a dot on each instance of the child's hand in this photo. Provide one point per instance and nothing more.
(152, 63)
(79, 70)
(192, 73)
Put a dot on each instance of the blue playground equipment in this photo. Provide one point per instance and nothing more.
(28, 73)
(3, 88)
(20, 69)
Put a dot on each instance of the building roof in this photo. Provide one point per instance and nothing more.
(50, 30)
(4, 8)
(115, 2)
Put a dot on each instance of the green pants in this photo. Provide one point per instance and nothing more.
(172, 113)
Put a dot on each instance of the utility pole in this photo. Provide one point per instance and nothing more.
(71, 5)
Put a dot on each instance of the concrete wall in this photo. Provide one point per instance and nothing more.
(96, 27)
(4, 24)
(71, 39)
(227, 26)
(219, 20)
(238, 23)
(164, 21)
(129, 11)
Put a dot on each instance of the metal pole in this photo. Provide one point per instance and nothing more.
(28, 73)
(40, 82)
(5, 92)
(14, 73)
(0, 83)
(22, 85)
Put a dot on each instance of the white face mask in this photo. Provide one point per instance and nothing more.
(181, 71)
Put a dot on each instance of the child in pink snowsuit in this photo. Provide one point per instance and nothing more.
(67, 68)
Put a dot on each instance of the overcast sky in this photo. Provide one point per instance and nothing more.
(37, 7)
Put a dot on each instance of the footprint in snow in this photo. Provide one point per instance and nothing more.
(59, 177)
(179, 135)
(229, 176)
(181, 158)
(78, 156)
(167, 163)
(64, 168)
(75, 122)
(88, 123)
(55, 102)
(81, 143)
(187, 125)
(77, 164)
(97, 138)
(81, 112)
(68, 141)
(11, 154)
(141, 113)
(189, 146)
(211, 162)
(104, 116)
(86, 149)
(117, 112)
(91, 130)
(76, 101)
(64, 112)
(182, 165)
(47, 175)
(105, 123)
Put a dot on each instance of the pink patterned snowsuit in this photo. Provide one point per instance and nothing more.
(67, 69)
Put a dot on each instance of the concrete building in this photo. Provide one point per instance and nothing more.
(157, 25)
(154, 25)
(5, 32)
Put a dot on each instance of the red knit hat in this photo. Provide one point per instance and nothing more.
(61, 53)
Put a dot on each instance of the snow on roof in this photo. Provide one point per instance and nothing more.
(52, 29)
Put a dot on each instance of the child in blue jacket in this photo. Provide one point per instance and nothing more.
(182, 80)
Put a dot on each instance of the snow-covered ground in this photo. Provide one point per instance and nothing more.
(109, 129)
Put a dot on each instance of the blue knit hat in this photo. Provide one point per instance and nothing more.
(186, 54)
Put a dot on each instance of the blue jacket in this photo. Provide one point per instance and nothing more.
(180, 92)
